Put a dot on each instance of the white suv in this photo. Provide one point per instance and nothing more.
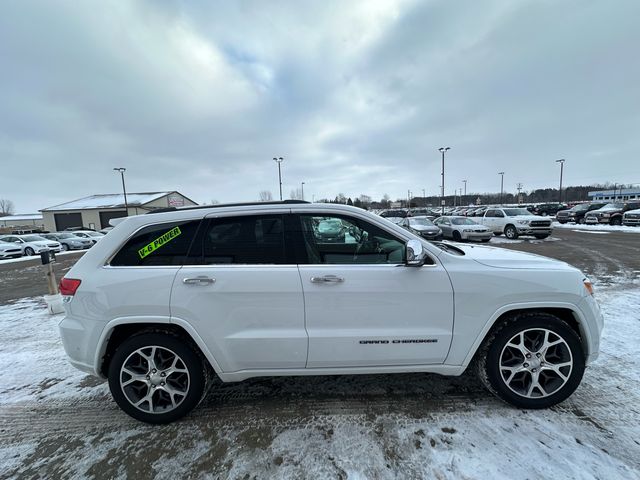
(168, 300)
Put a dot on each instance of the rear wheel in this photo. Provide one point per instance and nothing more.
(156, 377)
(456, 236)
(535, 360)
(511, 232)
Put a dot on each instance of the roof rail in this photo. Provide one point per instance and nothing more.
(221, 205)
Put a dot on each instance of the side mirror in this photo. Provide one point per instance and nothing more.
(415, 253)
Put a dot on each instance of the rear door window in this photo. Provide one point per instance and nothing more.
(157, 245)
(242, 240)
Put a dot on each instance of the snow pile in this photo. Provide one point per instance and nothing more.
(597, 228)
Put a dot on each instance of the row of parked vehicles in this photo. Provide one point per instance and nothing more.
(15, 246)
(472, 224)
(599, 213)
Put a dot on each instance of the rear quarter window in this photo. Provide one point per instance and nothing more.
(160, 244)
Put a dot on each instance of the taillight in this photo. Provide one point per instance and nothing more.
(68, 286)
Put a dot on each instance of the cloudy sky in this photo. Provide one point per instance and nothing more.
(356, 96)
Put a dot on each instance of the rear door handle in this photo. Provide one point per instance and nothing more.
(327, 279)
(201, 280)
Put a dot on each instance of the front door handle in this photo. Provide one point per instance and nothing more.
(327, 279)
(201, 280)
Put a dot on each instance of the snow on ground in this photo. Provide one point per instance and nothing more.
(596, 228)
(57, 422)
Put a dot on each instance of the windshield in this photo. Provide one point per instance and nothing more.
(463, 221)
(33, 238)
(64, 235)
(613, 206)
(424, 222)
(329, 225)
(516, 212)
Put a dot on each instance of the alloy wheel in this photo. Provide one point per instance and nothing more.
(536, 363)
(154, 379)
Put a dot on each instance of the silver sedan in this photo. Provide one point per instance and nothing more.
(461, 228)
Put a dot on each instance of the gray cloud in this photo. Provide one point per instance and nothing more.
(357, 96)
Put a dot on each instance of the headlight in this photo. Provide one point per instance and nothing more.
(523, 222)
(467, 230)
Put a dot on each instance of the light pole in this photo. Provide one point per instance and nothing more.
(424, 198)
(561, 162)
(501, 185)
(124, 189)
(303, 191)
(519, 194)
(443, 150)
(465, 188)
(279, 160)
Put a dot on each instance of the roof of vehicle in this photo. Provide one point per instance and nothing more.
(223, 205)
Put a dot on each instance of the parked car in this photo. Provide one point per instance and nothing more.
(423, 227)
(32, 244)
(611, 213)
(463, 228)
(9, 250)
(248, 291)
(330, 230)
(89, 234)
(631, 218)
(545, 209)
(395, 213)
(514, 222)
(69, 241)
(577, 213)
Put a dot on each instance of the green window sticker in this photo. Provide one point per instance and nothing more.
(159, 242)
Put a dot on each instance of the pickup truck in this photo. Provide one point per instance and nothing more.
(514, 222)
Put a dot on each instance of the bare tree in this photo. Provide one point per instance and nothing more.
(6, 207)
(265, 196)
(296, 194)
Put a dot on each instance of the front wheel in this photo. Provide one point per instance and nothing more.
(615, 221)
(156, 377)
(534, 360)
(541, 237)
(456, 236)
(29, 251)
(65, 247)
(511, 232)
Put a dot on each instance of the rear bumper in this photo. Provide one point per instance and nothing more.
(80, 340)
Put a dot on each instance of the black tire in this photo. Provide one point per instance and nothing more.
(488, 359)
(511, 232)
(191, 359)
(65, 247)
(456, 236)
(28, 252)
(486, 240)
(615, 221)
(541, 237)
(497, 234)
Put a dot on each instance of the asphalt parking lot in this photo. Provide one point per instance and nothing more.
(56, 422)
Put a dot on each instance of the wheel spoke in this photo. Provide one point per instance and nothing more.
(513, 371)
(135, 377)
